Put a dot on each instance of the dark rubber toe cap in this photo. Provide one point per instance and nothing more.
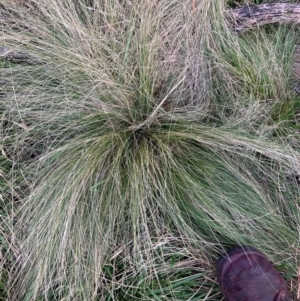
(245, 274)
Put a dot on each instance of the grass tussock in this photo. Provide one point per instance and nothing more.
(144, 137)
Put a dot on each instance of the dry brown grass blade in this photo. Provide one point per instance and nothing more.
(298, 290)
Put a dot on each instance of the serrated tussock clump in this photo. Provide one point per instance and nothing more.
(132, 121)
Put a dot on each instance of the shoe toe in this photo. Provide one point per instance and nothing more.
(245, 274)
